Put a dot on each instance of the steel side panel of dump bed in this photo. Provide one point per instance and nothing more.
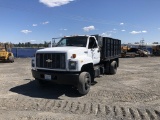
(111, 48)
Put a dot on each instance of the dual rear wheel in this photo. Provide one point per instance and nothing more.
(110, 68)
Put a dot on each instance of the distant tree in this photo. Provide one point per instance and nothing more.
(46, 44)
(19, 44)
(27, 44)
(23, 45)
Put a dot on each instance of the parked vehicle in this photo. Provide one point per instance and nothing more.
(143, 52)
(127, 52)
(140, 52)
(77, 60)
(134, 52)
(5, 52)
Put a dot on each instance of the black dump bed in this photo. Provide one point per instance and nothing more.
(110, 48)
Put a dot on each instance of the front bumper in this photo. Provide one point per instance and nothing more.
(57, 77)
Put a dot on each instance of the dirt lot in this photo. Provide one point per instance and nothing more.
(133, 93)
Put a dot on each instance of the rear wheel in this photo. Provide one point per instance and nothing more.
(113, 67)
(84, 83)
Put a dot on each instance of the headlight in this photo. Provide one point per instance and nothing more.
(72, 65)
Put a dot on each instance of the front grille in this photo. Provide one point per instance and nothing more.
(51, 60)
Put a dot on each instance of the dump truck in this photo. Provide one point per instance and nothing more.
(5, 52)
(77, 60)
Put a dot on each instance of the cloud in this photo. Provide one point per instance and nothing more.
(138, 32)
(121, 23)
(106, 34)
(112, 31)
(55, 3)
(109, 33)
(63, 29)
(144, 31)
(123, 30)
(89, 28)
(26, 31)
(135, 32)
(34, 25)
(44, 23)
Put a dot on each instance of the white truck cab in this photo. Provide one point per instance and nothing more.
(75, 60)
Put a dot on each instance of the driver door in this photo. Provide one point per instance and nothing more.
(93, 50)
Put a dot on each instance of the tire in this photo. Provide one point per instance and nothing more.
(11, 59)
(84, 83)
(113, 68)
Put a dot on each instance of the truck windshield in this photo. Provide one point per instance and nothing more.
(78, 41)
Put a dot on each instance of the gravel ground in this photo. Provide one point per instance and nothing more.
(133, 93)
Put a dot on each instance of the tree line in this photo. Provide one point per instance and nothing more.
(29, 44)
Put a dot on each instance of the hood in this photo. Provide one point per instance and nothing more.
(62, 49)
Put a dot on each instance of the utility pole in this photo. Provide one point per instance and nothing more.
(142, 43)
(51, 42)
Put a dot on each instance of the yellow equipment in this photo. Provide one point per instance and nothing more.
(125, 52)
(133, 52)
(5, 52)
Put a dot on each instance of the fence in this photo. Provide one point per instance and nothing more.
(24, 52)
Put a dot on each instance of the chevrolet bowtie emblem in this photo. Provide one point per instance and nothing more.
(48, 60)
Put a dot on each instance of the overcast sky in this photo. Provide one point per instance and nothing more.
(37, 21)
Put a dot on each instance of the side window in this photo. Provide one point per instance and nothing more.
(92, 43)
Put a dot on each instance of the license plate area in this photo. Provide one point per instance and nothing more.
(47, 77)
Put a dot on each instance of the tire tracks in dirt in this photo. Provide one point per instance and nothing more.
(72, 107)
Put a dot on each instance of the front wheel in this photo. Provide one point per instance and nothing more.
(84, 83)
